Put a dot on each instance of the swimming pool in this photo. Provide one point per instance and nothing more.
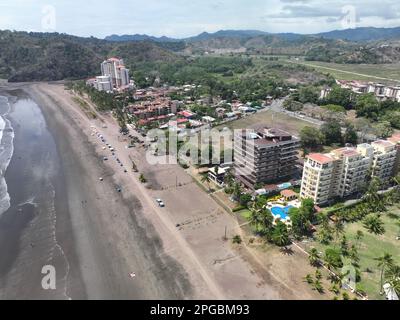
(283, 212)
(284, 186)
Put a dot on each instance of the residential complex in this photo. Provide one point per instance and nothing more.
(114, 76)
(264, 156)
(345, 171)
(381, 91)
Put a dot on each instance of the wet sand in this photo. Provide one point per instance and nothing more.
(93, 235)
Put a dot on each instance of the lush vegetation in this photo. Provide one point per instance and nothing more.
(362, 237)
(51, 56)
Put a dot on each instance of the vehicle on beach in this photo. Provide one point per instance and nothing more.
(105, 159)
(161, 203)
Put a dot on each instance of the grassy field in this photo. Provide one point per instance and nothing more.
(269, 118)
(371, 247)
(386, 73)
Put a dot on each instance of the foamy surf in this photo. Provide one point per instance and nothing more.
(6, 152)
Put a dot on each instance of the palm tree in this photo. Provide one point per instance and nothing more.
(359, 237)
(337, 278)
(206, 179)
(256, 219)
(229, 179)
(318, 286)
(392, 276)
(353, 253)
(314, 257)
(338, 227)
(374, 224)
(237, 191)
(280, 235)
(309, 279)
(384, 262)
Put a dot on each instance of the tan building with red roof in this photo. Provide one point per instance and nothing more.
(343, 172)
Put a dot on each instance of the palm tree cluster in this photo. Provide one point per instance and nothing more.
(262, 220)
(390, 272)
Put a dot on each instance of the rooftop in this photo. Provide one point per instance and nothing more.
(347, 152)
(320, 158)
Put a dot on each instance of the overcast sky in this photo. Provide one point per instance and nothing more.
(179, 18)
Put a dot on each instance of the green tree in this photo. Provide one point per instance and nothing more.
(333, 258)
(374, 224)
(292, 105)
(383, 129)
(206, 179)
(245, 199)
(311, 138)
(341, 97)
(367, 106)
(350, 135)
(237, 191)
(384, 262)
(332, 132)
(314, 257)
(237, 239)
(392, 276)
(359, 237)
(280, 234)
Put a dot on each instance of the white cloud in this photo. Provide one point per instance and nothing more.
(181, 18)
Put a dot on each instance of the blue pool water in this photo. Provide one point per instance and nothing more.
(283, 212)
(284, 186)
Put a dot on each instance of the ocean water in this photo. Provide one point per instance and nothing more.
(6, 151)
(30, 180)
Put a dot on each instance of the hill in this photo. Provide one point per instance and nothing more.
(363, 34)
(51, 56)
(360, 45)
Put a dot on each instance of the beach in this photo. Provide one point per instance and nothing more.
(107, 244)
(67, 221)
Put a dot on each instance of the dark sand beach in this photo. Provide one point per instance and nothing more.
(61, 215)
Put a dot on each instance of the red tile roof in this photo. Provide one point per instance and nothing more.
(320, 158)
(288, 193)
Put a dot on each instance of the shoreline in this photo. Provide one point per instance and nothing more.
(81, 166)
(112, 235)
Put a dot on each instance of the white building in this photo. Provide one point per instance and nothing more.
(115, 69)
(344, 171)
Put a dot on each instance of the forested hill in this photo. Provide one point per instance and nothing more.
(52, 56)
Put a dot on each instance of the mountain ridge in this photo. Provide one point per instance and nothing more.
(356, 34)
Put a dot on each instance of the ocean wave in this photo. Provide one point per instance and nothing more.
(6, 152)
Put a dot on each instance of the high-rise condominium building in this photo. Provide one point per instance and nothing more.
(264, 156)
(115, 69)
(344, 171)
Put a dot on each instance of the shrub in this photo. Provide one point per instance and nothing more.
(237, 239)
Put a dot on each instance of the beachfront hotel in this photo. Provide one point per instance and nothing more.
(264, 156)
(115, 69)
(114, 75)
(344, 171)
